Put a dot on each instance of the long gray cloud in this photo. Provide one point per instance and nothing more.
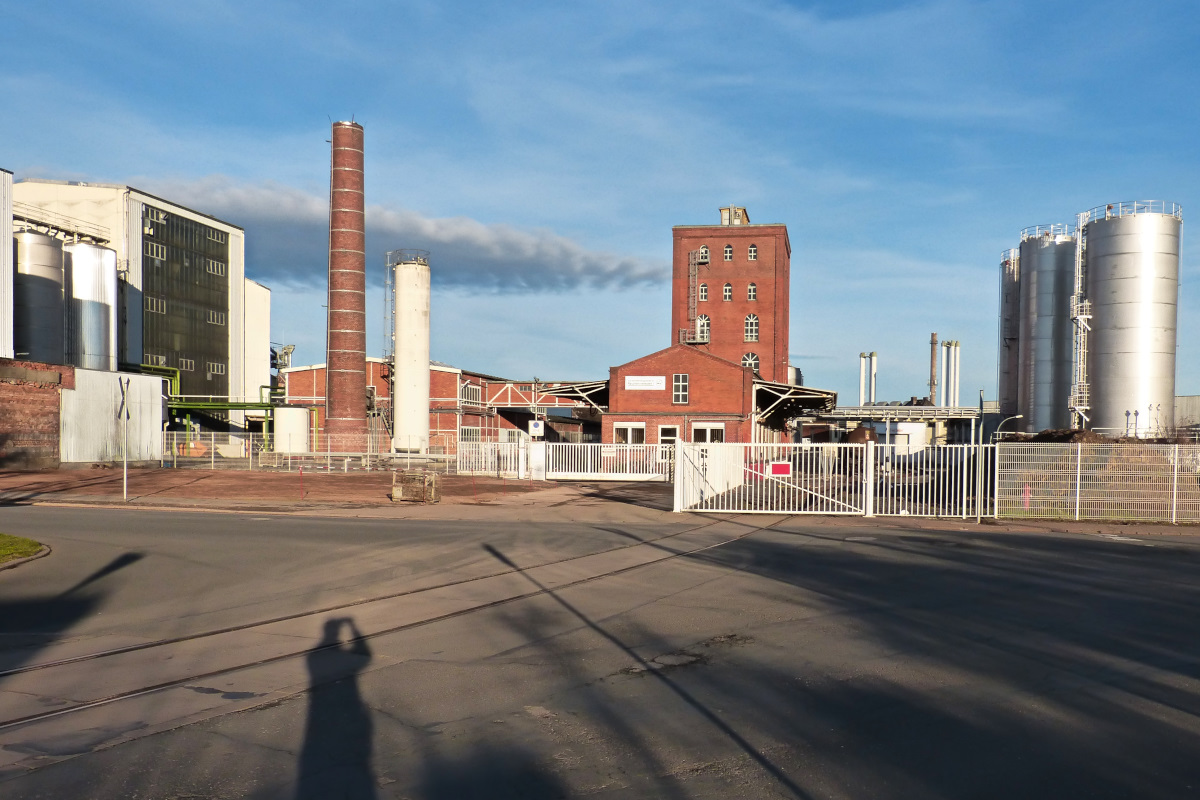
(286, 239)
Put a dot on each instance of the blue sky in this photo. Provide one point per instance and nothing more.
(543, 150)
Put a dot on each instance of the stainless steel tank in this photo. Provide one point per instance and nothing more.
(1047, 284)
(1008, 358)
(91, 280)
(38, 317)
(1133, 286)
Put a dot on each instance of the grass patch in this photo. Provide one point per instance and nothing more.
(14, 547)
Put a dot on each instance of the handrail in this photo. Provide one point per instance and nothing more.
(1055, 229)
(1127, 208)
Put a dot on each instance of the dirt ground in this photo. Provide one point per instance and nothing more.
(367, 488)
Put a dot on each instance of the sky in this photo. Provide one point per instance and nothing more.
(542, 151)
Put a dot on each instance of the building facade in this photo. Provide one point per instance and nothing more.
(732, 299)
(184, 295)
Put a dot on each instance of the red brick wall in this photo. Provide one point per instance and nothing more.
(29, 413)
(718, 391)
(306, 386)
(771, 274)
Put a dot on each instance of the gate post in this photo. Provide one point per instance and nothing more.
(869, 479)
(678, 460)
(1078, 475)
(1175, 485)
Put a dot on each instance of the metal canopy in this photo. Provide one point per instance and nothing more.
(594, 393)
(776, 403)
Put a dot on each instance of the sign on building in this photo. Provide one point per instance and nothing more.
(646, 383)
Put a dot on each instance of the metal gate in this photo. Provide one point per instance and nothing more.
(774, 478)
(851, 479)
(501, 459)
(609, 462)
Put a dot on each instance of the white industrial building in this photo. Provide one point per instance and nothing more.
(185, 303)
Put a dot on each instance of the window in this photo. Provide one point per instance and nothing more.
(155, 215)
(629, 433)
(668, 434)
(703, 254)
(216, 236)
(752, 253)
(153, 360)
(187, 365)
(711, 432)
(750, 360)
(703, 292)
(215, 368)
(156, 305)
(751, 327)
(679, 389)
(216, 317)
(729, 252)
(156, 250)
(216, 267)
(703, 328)
(467, 434)
(752, 292)
(727, 292)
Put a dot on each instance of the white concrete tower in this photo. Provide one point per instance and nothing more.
(410, 404)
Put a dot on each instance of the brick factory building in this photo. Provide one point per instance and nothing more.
(725, 376)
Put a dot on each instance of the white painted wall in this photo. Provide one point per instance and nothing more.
(256, 341)
(91, 427)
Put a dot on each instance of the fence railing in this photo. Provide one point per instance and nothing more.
(1099, 481)
(501, 459)
(952, 480)
(617, 462)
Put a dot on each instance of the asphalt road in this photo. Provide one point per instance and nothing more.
(800, 660)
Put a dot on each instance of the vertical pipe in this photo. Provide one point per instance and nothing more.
(346, 359)
(941, 401)
(933, 365)
(874, 364)
(862, 378)
(957, 373)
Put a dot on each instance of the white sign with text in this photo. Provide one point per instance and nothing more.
(645, 382)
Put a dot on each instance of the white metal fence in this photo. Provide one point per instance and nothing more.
(502, 459)
(613, 462)
(1099, 481)
(252, 451)
(855, 479)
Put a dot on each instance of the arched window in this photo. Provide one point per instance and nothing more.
(729, 252)
(752, 292)
(704, 291)
(752, 253)
(703, 327)
(750, 360)
(751, 327)
(727, 292)
(703, 254)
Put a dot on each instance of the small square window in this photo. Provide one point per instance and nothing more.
(216, 267)
(187, 365)
(216, 317)
(215, 368)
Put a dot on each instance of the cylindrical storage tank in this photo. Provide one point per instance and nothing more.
(1133, 286)
(292, 430)
(410, 376)
(1046, 345)
(1008, 357)
(91, 293)
(39, 319)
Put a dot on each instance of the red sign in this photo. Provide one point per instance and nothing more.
(782, 468)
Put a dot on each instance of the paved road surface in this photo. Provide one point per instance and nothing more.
(690, 657)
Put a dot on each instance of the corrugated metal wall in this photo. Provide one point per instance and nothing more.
(91, 420)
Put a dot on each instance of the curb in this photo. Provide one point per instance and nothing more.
(45, 551)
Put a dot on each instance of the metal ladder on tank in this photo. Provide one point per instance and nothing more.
(1081, 316)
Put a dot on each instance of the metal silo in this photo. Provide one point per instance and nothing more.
(38, 319)
(1047, 259)
(410, 376)
(91, 280)
(1008, 360)
(1132, 267)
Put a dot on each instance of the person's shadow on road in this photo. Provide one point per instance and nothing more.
(335, 761)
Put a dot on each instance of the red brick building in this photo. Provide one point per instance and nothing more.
(725, 376)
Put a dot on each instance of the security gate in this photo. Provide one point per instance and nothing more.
(609, 462)
(849, 479)
(501, 459)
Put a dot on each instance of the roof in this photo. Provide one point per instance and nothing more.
(132, 189)
(776, 403)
